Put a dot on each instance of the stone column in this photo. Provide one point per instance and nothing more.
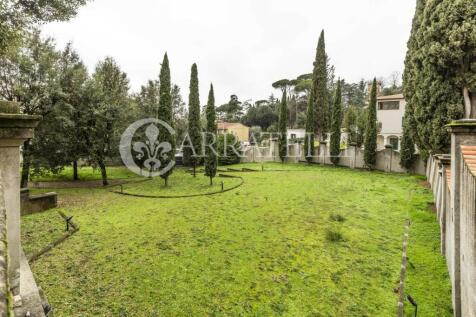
(446, 165)
(323, 152)
(352, 155)
(14, 130)
(388, 157)
(463, 132)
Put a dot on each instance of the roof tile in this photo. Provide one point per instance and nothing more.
(469, 156)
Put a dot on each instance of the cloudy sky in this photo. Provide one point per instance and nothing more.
(241, 46)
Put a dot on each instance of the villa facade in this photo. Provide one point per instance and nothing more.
(390, 112)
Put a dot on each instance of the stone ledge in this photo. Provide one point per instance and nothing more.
(31, 301)
(19, 121)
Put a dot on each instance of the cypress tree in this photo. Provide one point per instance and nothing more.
(321, 108)
(370, 143)
(194, 129)
(165, 114)
(336, 125)
(282, 127)
(309, 140)
(211, 157)
(407, 151)
(439, 78)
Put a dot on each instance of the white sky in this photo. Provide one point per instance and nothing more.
(242, 46)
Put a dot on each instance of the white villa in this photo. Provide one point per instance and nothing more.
(294, 134)
(390, 112)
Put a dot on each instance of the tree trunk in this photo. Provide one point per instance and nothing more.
(103, 173)
(467, 103)
(211, 181)
(194, 168)
(25, 173)
(473, 105)
(75, 171)
(166, 180)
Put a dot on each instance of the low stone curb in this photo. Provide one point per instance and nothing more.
(242, 181)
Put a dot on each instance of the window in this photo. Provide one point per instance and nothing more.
(389, 105)
(393, 141)
(293, 136)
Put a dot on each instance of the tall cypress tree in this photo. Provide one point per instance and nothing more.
(439, 78)
(282, 127)
(407, 151)
(336, 125)
(321, 109)
(210, 151)
(165, 114)
(194, 130)
(309, 140)
(370, 143)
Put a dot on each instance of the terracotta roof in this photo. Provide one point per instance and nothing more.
(448, 177)
(469, 156)
(391, 97)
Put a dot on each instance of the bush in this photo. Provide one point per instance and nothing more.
(337, 217)
(233, 150)
(334, 236)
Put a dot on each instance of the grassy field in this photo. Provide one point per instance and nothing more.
(302, 241)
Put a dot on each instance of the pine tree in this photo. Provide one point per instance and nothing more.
(320, 78)
(336, 125)
(370, 143)
(407, 151)
(193, 151)
(210, 151)
(282, 126)
(439, 78)
(165, 114)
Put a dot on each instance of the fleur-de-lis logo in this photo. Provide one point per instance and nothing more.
(153, 154)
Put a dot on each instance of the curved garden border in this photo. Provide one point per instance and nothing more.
(83, 184)
(242, 181)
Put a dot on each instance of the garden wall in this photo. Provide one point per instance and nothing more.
(452, 178)
(38, 203)
(388, 160)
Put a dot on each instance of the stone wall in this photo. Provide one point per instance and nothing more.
(452, 178)
(388, 160)
(38, 203)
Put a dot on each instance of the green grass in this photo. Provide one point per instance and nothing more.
(85, 173)
(260, 250)
(181, 183)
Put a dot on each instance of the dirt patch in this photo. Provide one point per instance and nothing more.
(425, 184)
(431, 208)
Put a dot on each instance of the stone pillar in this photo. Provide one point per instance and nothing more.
(323, 152)
(463, 132)
(352, 155)
(14, 130)
(388, 157)
(446, 165)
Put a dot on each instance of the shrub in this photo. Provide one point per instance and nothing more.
(334, 236)
(233, 148)
(337, 217)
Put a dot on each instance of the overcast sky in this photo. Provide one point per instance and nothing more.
(242, 46)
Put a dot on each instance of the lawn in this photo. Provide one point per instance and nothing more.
(294, 240)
